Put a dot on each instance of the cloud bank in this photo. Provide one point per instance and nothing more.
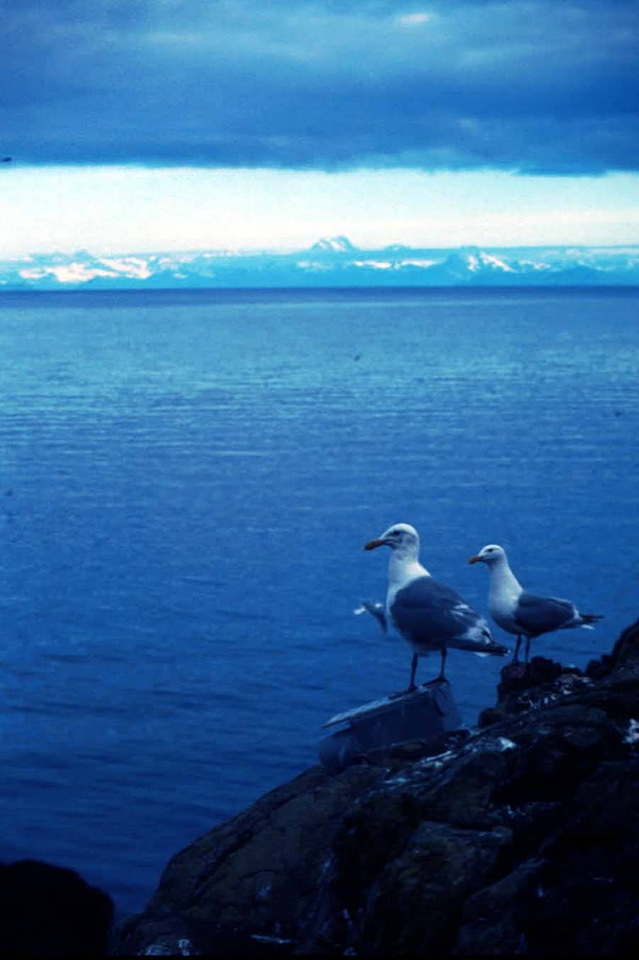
(533, 86)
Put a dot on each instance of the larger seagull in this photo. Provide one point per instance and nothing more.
(427, 614)
(522, 613)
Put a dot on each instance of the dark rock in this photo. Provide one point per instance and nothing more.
(427, 883)
(525, 687)
(261, 870)
(518, 838)
(175, 936)
(597, 669)
(51, 911)
(623, 657)
(495, 919)
(587, 898)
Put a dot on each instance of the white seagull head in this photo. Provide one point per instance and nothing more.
(401, 537)
(490, 555)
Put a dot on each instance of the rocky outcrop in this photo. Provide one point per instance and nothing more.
(520, 837)
(50, 911)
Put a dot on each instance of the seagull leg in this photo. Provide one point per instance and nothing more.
(517, 646)
(413, 670)
(412, 685)
(441, 677)
(527, 653)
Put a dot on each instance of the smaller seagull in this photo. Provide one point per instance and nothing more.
(522, 613)
(427, 614)
(6, 159)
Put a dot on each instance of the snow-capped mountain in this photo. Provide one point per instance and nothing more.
(331, 262)
(333, 245)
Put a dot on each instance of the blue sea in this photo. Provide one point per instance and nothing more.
(187, 481)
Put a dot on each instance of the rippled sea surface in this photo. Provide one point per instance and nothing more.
(186, 484)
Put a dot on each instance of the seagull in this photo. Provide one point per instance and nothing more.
(522, 613)
(427, 614)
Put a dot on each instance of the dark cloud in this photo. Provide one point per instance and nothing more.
(535, 85)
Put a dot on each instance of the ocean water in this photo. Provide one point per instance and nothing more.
(187, 481)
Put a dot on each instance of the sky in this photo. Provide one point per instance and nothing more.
(147, 125)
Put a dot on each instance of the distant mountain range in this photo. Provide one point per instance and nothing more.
(331, 262)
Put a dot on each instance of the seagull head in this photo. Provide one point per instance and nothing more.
(491, 555)
(401, 537)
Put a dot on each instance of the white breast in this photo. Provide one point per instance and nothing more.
(504, 594)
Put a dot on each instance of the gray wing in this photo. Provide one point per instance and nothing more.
(541, 614)
(430, 613)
